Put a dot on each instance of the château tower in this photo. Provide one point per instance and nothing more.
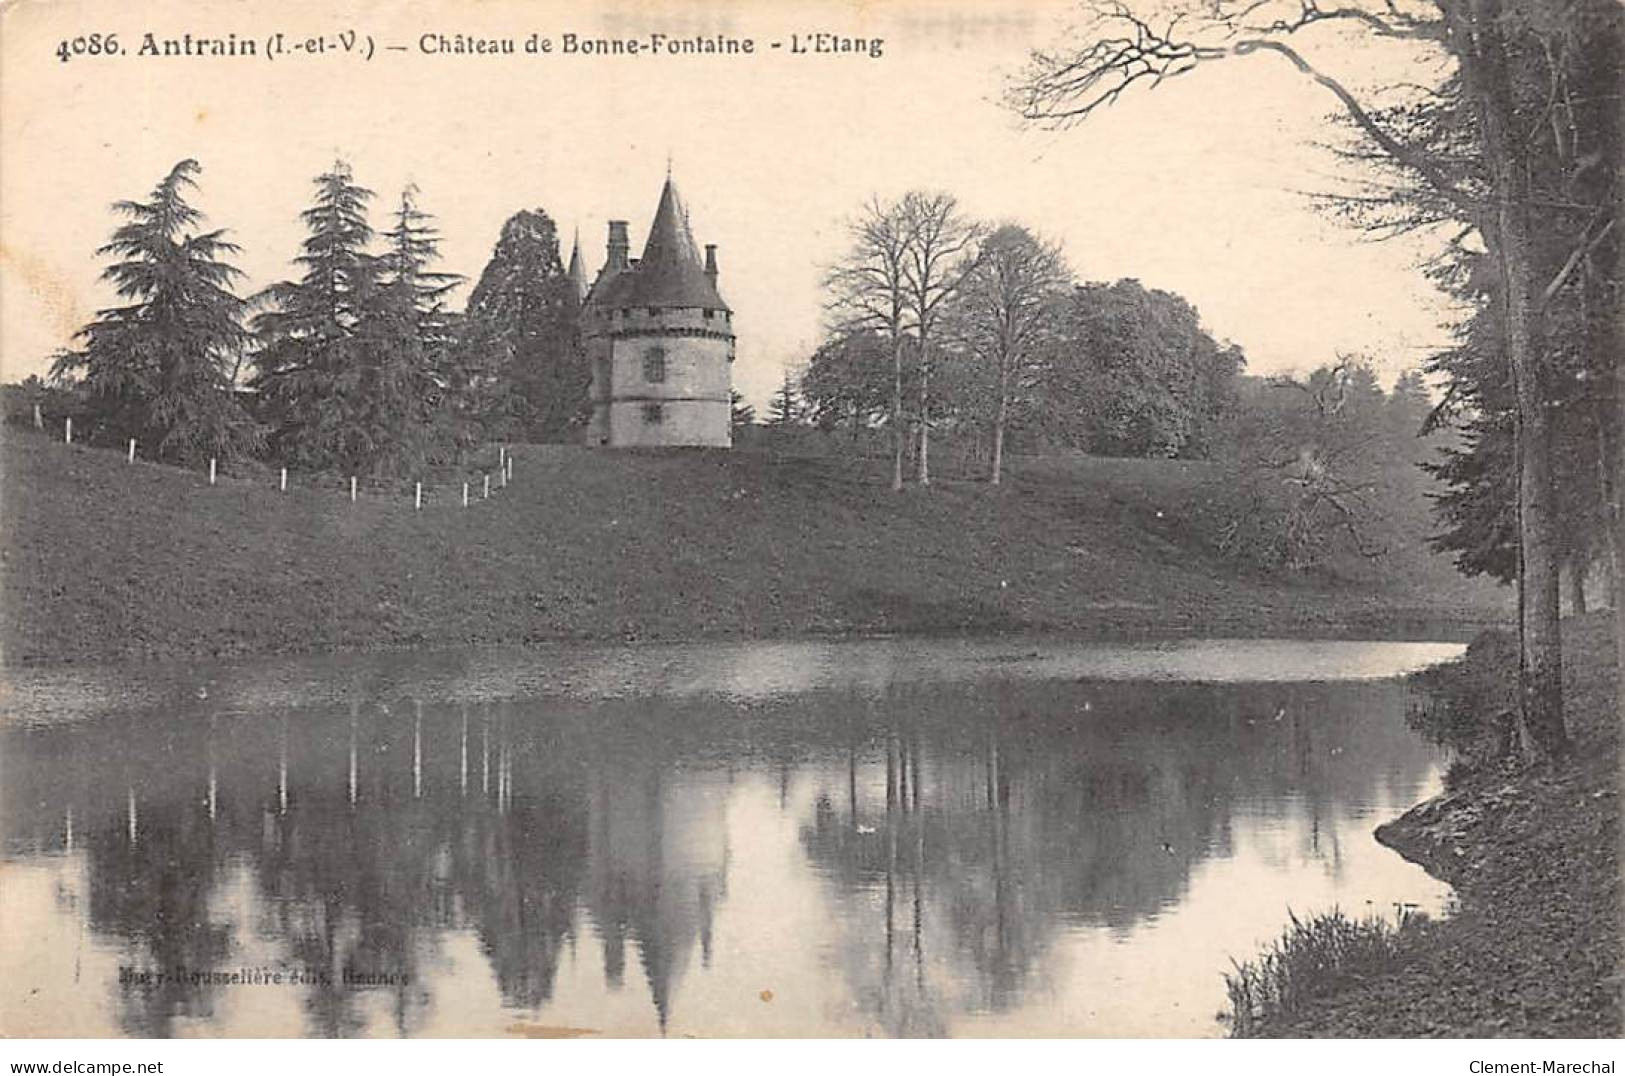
(659, 339)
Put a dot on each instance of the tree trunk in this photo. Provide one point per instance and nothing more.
(1577, 587)
(898, 433)
(998, 447)
(1541, 667)
(1616, 581)
(1609, 485)
(924, 472)
(998, 425)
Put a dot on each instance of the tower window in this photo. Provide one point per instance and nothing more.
(709, 312)
(653, 414)
(654, 311)
(654, 364)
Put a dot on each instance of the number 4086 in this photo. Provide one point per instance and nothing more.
(88, 45)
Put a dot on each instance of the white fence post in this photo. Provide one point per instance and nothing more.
(417, 497)
(465, 494)
(510, 466)
(282, 481)
(211, 470)
(132, 451)
(352, 489)
(487, 494)
(39, 419)
(67, 431)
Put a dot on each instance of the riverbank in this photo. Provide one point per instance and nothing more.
(108, 561)
(1534, 950)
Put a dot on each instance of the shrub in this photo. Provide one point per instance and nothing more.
(1470, 706)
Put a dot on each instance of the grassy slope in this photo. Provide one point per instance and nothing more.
(1534, 856)
(104, 560)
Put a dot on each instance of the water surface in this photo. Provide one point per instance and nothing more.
(880, 838)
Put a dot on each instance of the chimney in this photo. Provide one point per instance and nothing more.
(619, 246)
(711, 263)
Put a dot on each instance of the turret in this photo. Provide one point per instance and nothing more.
(711, 263)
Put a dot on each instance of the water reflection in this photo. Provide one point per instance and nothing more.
(1008, 856)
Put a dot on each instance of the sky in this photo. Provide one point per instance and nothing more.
(1198, 187)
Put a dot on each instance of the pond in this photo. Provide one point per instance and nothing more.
(888, 837)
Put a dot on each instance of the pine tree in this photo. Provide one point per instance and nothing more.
(160, 368)
(311, 364)
(785, 406)
(741, 415)
(406, 336)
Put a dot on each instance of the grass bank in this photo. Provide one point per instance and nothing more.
(1534, 949)
(105, 560)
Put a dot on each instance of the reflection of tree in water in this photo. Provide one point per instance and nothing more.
(960, 830)
(369, 833)
(153, 893)
(1026, 809)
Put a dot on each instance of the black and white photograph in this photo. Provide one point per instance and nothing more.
(824, 519)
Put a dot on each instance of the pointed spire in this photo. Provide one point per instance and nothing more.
(671, 273)
(578, 270)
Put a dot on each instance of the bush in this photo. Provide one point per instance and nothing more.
(1470, 706)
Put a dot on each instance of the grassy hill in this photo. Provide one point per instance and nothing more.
(105, 560)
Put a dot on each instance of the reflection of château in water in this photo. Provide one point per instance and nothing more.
(659, 867)
(957, 833)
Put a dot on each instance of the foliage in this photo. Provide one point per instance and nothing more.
(869, 294)
(160, 369)
(1003, 318)
(354, 356)
(741, 415)
(1330, 465)
(1469, 706)
(906, 261)
(785, 408)
(312, 363)
(1518, 151)
(1131, 372)
(407, 335)
(848, 380)
(523, 370)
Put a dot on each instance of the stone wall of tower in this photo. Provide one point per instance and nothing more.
(660, 377)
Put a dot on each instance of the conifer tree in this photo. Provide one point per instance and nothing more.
(785, 406)
(406, 334)
(159, 368)
(311, 364)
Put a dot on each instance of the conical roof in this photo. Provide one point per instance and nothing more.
(578, 271)
(670, 273)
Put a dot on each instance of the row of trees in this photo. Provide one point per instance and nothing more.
(357, 364)
(937, 320)
(1513, 157)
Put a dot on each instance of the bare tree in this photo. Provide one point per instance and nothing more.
(941, 251)
(1004, 305)
(869, 292)
(1491, 43)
